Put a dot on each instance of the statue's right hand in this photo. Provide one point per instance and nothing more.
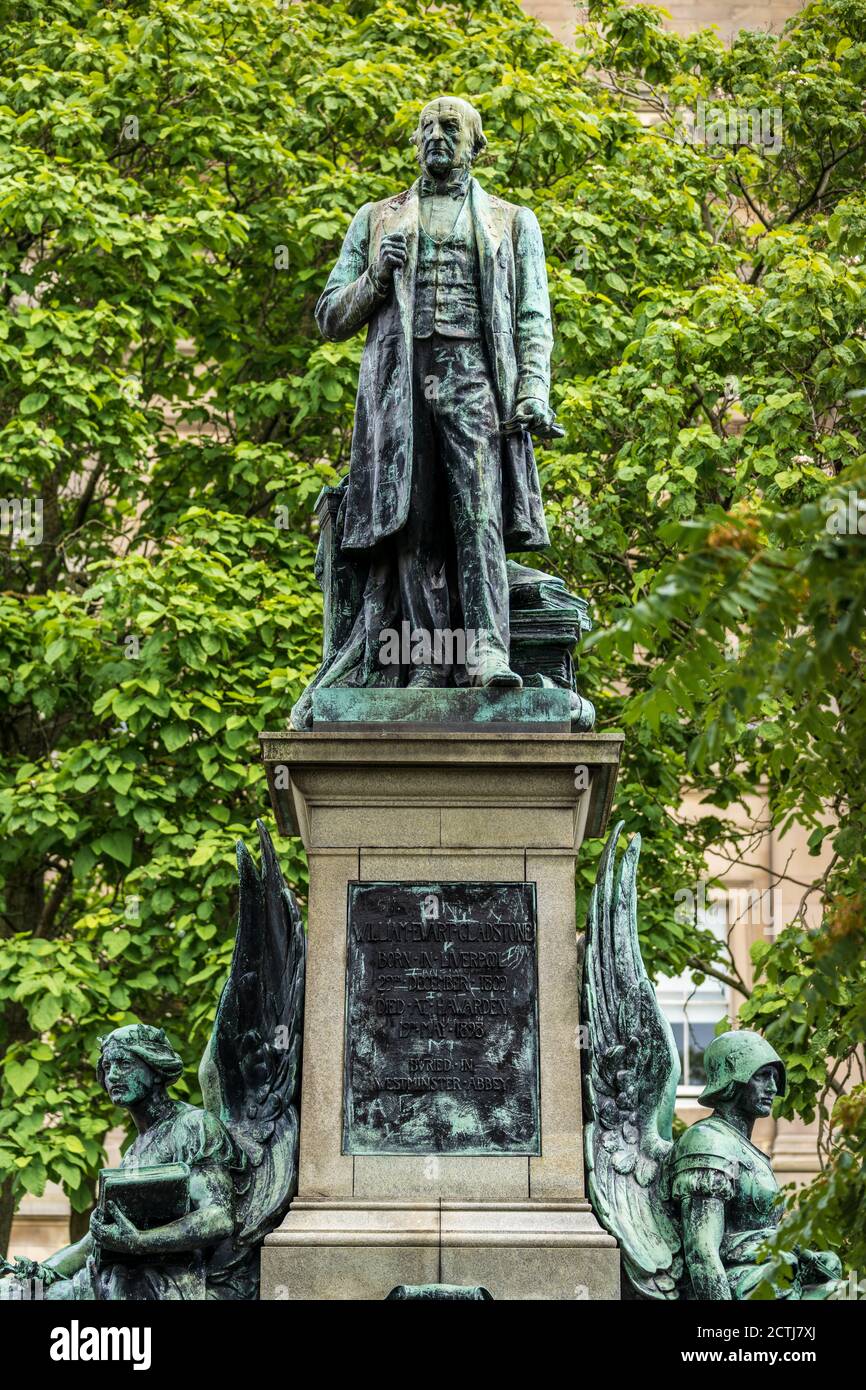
(392, 256)
(113, 1230)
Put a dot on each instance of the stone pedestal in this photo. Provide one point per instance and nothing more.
(426, 807)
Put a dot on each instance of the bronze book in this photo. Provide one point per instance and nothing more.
(152, 1195)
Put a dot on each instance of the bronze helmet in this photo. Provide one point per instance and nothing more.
(736, 1056)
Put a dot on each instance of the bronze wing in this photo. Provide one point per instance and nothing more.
(630, 1083)
(250, 1073)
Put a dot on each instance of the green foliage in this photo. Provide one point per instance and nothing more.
(174, 180)
(735, 412)
(811, 1003)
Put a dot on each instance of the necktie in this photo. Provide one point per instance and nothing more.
(454, 187)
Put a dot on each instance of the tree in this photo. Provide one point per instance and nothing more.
(748, 617)
(176, 178)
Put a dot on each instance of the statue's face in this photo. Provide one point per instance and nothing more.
(444, 139)
(128, 1080)
(760, 1092)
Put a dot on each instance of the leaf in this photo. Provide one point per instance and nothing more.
(34, 1177)
(174, 736)
(847, 841)
(44, 1013)
(118, 843)
(116, 942)
(21, 1075)
(126, 704)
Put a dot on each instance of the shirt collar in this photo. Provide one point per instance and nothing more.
(455, 185)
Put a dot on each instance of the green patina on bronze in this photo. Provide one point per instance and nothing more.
(477, 1293)
(534, 711)
(441, 1053)
(691, 1217)
(546, 625)
(198, 1189)
(450, 285)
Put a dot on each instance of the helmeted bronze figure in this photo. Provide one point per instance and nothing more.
(691, 1217)
(451, 286)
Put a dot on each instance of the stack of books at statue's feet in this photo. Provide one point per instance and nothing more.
(547, 622)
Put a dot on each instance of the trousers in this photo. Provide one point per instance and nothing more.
(451, 551)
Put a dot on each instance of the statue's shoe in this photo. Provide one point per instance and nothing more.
(500, 677)
(427, 678)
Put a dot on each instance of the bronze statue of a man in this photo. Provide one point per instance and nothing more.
(451, 284)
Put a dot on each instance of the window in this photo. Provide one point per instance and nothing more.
(694, 1010)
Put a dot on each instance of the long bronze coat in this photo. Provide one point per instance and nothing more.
(518, 336)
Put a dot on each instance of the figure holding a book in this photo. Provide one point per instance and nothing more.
(185, 1204)
(200, 1186)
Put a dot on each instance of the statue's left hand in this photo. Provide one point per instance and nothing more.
(537, 417)
(532, 412)
(118, 1233)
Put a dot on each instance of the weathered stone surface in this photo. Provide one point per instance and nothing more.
(367, 775)
(338, 826)
(442, 1177)
(530, 826)
(563, 1272)
(323, 1168)
(469, 865)
(557, 1173)
(364, 1223)
(517, 1250)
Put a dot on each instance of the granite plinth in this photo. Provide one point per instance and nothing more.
(397, 805)
(360, 1250)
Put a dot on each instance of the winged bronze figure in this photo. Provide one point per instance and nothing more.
(198, 1189)
(692, 1217)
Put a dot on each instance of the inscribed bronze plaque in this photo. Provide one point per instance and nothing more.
(441, 1019)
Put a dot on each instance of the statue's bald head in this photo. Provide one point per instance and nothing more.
(449, 135)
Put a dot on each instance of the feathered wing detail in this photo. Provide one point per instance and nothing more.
(630, 1083)
(250, 1073)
